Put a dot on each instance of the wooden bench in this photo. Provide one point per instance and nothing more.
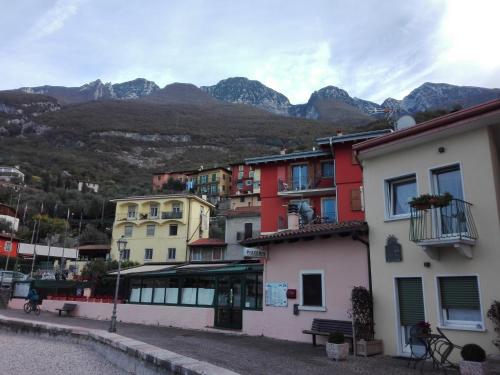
(68, 308)
(323, 327)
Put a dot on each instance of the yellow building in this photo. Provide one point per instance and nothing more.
(214, 183)
(436, 260)
(158, 228)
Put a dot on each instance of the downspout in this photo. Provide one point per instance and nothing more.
(356, 237)
(187, 234)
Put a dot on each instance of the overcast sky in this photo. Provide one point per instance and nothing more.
(372, 49)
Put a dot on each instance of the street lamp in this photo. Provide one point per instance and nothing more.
(122, 245)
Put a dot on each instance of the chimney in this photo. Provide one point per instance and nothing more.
(339, 132)
(293, 217)
(283, 151)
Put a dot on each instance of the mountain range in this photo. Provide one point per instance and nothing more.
(329, 103)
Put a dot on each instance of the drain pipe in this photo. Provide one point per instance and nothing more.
(356, 237)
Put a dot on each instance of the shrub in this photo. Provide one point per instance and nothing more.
(473, 353)
(362, 312)
(494, 315)
(336, 338)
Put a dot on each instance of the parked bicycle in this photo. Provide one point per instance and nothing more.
(32, 306)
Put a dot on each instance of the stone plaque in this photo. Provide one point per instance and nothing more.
(393, 250)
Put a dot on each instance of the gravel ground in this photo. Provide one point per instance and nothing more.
(26, 355)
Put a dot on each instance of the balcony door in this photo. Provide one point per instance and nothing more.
(452, 218)
(329, 210)
(299, 177)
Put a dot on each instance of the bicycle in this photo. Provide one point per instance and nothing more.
(32, 306)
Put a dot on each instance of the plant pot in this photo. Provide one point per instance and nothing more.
(421, 206)
(337, 352)
(372, 347)
(473, 368)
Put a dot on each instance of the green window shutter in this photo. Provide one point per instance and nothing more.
(411, 301)
(459, 292)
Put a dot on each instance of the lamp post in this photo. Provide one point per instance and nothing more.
(122, 244)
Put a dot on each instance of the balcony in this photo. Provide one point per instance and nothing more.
(242, 235)
(451, 226)
(171, 215)
(306, 186)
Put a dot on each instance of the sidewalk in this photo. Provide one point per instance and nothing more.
(239, 353)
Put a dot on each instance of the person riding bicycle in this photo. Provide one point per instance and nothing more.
(33, 298)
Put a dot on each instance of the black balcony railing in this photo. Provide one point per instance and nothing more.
(453, 221)
(171, 215)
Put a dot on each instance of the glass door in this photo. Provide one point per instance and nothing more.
(329, 210)
(228, 311)
(451, 219)
(411, 311)
(299, 177)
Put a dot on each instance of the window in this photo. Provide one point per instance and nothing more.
(240, 168)
(135, 290)
(147, 291)
(188, 292)
(251, 173)
(127, 230)
(159, 291)
(203, 179)
(214, 177)
(240, 185)
(172, 230)
(150, 229)
(356, 200)
(312, 290)
(131, 212)
(242, 199)
(399, 192)
(196, 254)
(240, 175)
(299, 177)
(213, 189)
(329, 210)
(171, 253)
(153, 211)
(253, 291)
(148, 254)
(327, 169)
(248, 182)
(459, 302)
(126, 254)
(176, 207)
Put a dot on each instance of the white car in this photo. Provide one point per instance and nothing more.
(8, 276)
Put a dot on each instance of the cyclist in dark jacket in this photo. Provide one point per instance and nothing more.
(33, 297)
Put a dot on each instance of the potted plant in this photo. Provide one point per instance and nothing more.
(361, 314)
(422, 202)
(424, 327)
(494, 315)
(336, 347)
(474, 358)
(442, 200)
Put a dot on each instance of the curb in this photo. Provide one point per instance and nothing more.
(131, 355)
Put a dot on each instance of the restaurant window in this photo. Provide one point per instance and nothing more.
(172, 230)
(312, 290)
(253, 291)
(188, 292)
(160, 287)
(150, 229)
(172, 291)
(147, 290)
(135, 290)
(459, 302)
(206, 291)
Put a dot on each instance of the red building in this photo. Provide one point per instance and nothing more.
(328, 180)
(6, 248)
(161, 178)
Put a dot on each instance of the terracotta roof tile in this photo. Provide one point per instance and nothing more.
(208, 242)
(308, 231)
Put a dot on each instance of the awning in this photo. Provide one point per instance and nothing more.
(42, 250)
(59, 284)
(143, 269)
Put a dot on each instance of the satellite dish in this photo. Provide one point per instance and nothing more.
(405, 122)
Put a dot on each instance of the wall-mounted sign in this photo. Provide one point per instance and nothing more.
(276, 294)
(8, 246)
(393, 250)
(254, 252)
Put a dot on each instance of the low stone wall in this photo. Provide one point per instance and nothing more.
(130, 355)
(175, 316)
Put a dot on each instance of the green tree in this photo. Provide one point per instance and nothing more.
(92, 235)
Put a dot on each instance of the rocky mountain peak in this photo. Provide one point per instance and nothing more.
(330, 92)
(244, 91)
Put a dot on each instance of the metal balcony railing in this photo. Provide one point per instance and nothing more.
(240, 236)
(171, 215)
(450, 222)
(300, 184)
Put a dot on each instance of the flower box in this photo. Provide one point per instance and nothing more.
(367, 348)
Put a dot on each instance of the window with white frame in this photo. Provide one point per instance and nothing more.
(127, 230)
(148, 254)
(150, 230)
(196, 254)
(131, 212)
(312, 290)
(171, 253)
(153, 211)
(399, 192)
(172, 230)
(459, 302)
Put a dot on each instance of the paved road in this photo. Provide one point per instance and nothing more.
(27, 355)
(243, 354)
